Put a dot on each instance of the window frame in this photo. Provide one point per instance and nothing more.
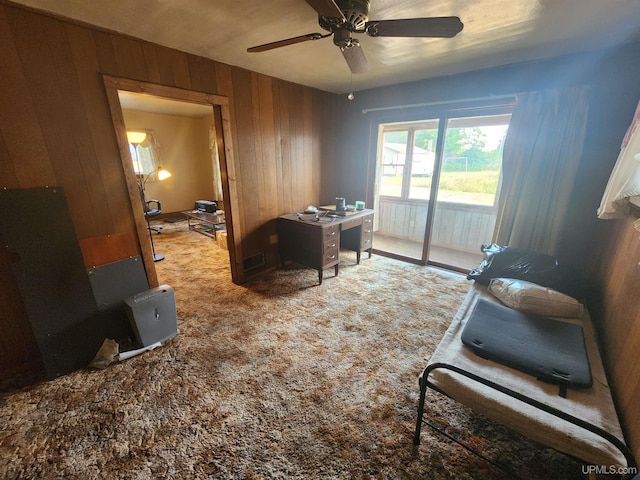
(426, 120)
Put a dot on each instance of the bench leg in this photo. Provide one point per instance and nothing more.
(423, 393)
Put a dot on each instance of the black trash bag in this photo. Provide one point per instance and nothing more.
(539, 268)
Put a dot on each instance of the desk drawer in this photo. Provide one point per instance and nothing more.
(347, 224)
(366, 242)
(330, 252)
(330, 259)
(367, 232)
(330, 246)
(330, 233)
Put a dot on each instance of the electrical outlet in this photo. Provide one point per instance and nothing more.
(273, 239)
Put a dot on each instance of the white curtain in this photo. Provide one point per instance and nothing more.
(624, 181)
(217, 178)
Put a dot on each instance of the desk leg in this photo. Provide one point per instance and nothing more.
(336, 269)
(320, 276)
(358, 257)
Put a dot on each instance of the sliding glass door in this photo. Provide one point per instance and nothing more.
(407, 153)
(437, 184)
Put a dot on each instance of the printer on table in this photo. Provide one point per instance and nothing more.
(208, 206)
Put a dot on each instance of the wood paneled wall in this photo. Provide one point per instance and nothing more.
(620, 319)
(56, 129)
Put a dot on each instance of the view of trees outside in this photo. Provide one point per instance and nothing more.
(471, 163)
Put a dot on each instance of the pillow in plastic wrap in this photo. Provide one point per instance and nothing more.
(536, 299)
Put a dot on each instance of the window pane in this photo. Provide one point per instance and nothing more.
(391, 181)
(422, 163)
(472, 160)
(143, 158)
(393, 157)
(137, 167)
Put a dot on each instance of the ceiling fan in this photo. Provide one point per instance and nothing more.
(341, 18)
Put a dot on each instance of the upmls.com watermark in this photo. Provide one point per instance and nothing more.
(609, 470)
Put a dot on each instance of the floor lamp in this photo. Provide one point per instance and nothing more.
(161, 174)
(136, 138)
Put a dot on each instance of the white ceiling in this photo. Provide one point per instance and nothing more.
(496, 32)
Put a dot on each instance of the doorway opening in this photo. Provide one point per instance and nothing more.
(190, 131)
(176, 139)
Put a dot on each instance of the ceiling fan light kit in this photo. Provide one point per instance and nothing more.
(342, 18)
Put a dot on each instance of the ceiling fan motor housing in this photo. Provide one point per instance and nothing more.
(356, 12)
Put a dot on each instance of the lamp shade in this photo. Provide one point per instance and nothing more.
(163, 174)
(136, 137)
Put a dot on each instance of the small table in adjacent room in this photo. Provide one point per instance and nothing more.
(205, 223)
(317, 243)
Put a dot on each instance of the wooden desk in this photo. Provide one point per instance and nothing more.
(316, 243)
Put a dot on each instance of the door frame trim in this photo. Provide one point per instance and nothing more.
(221, 113)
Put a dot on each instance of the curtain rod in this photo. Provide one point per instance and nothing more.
(442, 102)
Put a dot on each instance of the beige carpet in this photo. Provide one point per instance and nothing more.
(279, 378)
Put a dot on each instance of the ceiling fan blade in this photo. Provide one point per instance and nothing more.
(288, 41)
(355, 58)
(326, 8)
(439, 27)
